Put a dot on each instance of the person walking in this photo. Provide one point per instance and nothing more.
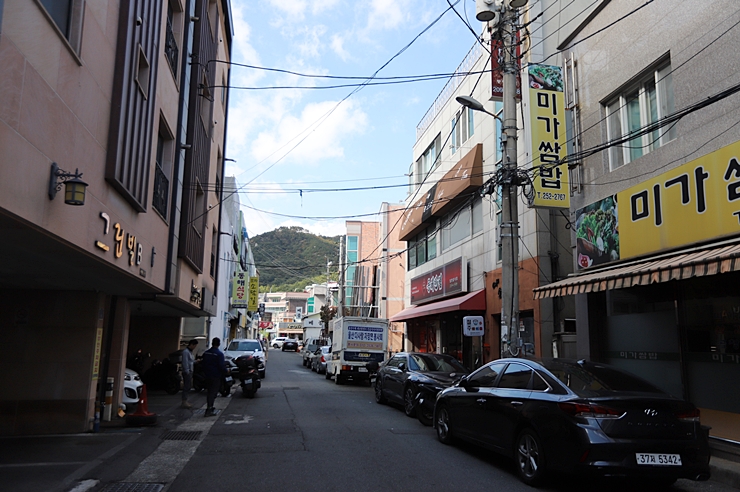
(214, 367)
(187, 371)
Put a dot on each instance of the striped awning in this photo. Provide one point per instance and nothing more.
(676, 266)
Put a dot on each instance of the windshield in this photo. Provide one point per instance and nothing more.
(588, 379)
(244, 346)
(435, 363)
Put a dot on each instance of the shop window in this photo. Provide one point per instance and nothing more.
(638, 105)
(422, 248)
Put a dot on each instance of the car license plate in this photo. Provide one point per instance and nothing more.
(658, 459)
(362, 369)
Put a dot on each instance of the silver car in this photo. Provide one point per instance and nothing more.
(247, 346)
(319, 358)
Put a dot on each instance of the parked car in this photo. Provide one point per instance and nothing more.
(290, 345)
(576, 417)
(310, 346)
(277, 342)
(247, 346)
(319, 358)
(132, 385)
(405, 375)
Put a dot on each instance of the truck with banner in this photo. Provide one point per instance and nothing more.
(356, 342)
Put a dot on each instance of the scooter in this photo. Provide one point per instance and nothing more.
(249, 374)
(199, 377)
(162, 375)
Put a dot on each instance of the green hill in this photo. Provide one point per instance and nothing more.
(289, 258)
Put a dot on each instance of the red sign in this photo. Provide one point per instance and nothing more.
(265, 325)
(439, 283)
(497, 71)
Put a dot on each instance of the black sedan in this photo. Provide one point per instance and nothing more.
(290, 345)
(575, 417)
(413, 379)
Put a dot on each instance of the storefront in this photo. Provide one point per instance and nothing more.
(674, 320)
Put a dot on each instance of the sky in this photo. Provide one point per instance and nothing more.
(287, 142)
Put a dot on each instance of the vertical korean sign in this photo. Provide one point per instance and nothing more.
(239, 290)
(547, 121)
(254, 288)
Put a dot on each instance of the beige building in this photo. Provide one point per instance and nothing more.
(392, 273)
(119, 95)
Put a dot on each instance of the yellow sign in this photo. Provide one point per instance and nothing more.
(696, 201)
(547, 120)
(254, 288)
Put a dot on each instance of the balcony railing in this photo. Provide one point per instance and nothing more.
(170, 48)
(161, 191)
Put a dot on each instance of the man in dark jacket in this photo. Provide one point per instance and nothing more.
(214, 367)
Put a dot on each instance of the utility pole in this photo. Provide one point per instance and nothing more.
(510, 187)
(340, 294)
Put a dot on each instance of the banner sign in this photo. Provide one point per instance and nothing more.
(497, 71)
(265, 325)
(439, 283)
(365, 337)
(694, 202)
(254, 293)
(239, 290)
(473, 326)
(547, 123)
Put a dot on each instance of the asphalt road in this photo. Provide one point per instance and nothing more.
(305, 433)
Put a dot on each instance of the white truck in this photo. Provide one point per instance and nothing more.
(355, 342)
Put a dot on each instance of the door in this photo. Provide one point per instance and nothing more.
(504, 405)
(394, 377)
(468, 407)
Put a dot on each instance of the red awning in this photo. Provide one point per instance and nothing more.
(475, 301)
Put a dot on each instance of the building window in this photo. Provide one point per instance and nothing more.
(199, 214)
(67, 17)
(640, 104)
(462, 128)
(422, 248)
(162, 170)
(205, 105)
(351, 259)
(462, 223)
(213, 17)
(171, 51)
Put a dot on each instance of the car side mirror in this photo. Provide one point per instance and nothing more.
(465, 383)
(402, 366)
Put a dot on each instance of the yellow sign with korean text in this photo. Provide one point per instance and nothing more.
(696, 201)
(254, 290)
(547, 124)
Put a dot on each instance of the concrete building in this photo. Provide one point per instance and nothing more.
(119, 94)
(392, 273)
(655, 228)
(361, 253)
(454, 266)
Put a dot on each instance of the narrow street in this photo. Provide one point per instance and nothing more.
(300, 433)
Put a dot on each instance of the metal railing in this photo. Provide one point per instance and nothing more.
(449, 89)
(170, 47)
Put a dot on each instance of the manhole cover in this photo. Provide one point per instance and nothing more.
(133, 487)
(181, 435)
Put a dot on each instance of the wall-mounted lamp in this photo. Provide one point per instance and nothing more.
(74, 187)
(194, 293)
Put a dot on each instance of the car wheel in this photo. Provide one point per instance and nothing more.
(530, 458)
(444, 430)
(426, 417)
(275, 345)
(263, 374)
(304, 362)
(409, 401)
(327, 375)
(379, 396)
(338, 379)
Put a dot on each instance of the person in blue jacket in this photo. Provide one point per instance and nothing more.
(214, 367)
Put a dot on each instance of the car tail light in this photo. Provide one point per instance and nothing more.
(346, 368)
(322, 359)
(589, 410)
(689, 416)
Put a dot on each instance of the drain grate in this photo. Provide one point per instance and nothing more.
(133, 487)
(181, 435)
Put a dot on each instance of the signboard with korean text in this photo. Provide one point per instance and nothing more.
(239, 290)
(693, 202)
(365, 337)
(441, 282)
(547, 122)
(473, 326)
(254, 291)
(497, 72)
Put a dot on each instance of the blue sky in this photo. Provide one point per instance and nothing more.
(300, 139)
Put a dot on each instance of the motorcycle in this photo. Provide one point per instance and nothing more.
(163, 375)
(199, 377)
(249, 374)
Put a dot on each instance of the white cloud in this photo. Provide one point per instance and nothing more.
(337, 45)
(386, 14)
(321, 129)
(311, 44)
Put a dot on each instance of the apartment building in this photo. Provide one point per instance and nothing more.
(112, 138)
